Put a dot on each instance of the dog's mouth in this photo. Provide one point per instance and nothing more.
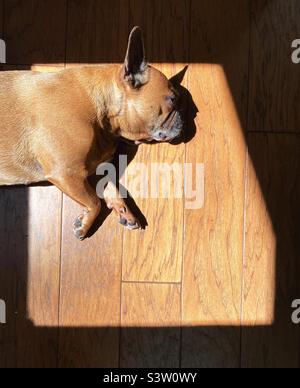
(170, 129)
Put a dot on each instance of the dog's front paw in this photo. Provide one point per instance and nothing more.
(131, 224)
(126, 218)
(78, 228)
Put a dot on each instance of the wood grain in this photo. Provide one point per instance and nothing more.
(35, 31)
(213, 246)
(165, 26)
(156, 254)
(274, 79)
(97, 31)
(91, 271)
(1, 18)
(272, 252)
(150, 321)
(65, 299)
(90, 293)
(13, 267)
(38, 295)
(30, 257)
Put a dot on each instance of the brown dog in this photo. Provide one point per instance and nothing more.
(60, 126)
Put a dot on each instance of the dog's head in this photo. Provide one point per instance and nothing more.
(151, 104)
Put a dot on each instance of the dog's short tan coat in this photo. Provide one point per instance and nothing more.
(60, 126)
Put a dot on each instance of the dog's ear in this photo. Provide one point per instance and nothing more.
(135, 65)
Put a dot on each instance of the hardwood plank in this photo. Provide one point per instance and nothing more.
(91, 270)
(1, 18)
(90, 294)
(166, 28)
(213, 248)
(35, 31)
(30, 257)
(4, 355)
(13, 266)
(274, 79)
(272, 252)
(150, 326)
(156, 253)
(97, 31)
(38, 293)
(47, 68)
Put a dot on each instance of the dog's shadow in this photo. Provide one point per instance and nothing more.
(188, 111)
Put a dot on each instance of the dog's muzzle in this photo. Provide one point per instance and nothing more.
(170, 129)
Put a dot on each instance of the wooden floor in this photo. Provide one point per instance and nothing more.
(211, 287)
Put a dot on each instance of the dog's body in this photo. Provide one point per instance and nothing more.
(60, 126)
(52, 121)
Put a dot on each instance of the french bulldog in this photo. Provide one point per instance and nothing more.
(59, 127)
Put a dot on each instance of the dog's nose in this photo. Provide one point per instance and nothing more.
(162, 136)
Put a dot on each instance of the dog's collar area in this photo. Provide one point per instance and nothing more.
(135, 143)
(129, 142)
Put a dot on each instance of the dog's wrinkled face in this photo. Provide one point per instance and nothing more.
(152, 103)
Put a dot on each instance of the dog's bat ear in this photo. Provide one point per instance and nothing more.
(135, 64)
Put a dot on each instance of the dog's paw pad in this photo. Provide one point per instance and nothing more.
(131, 225)
(78, 228)
(77, 223)
(78, 234)
(123, 221)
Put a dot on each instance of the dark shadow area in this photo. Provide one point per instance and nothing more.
(13, 263)
(276, 164)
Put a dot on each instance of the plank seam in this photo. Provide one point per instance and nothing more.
(62, 209)
(149, 282)
(184, 213)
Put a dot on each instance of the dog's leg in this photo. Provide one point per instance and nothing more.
(79, 189)
(116, 203)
